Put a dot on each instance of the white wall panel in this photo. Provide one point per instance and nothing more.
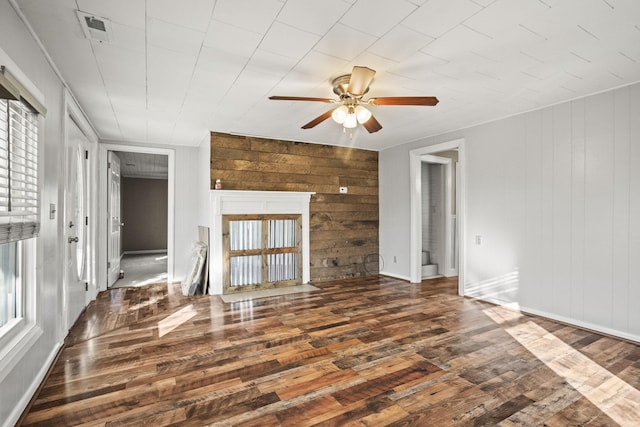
(561, 245)
(620, 253)
(577, 208)
(203, 180)
(555, 196)
(395, 213)
(495, 261)
(474, 228)
(633, 301)
(546, 281)
(514, 203)
(533, 288)
(186, 212)
(598, 245)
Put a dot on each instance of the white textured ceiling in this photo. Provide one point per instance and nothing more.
(143, 165)
(175, 70)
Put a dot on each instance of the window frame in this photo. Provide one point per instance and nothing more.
(19, 335)
(19, 288)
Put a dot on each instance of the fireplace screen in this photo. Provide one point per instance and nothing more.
(261, 251)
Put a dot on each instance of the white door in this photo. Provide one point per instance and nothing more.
(76, 218)
(114, 245)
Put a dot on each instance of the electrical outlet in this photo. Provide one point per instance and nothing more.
(478, 239)
(344, 190)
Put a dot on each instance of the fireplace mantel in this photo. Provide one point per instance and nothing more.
(238, 202)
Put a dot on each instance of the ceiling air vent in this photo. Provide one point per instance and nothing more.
(95, 27)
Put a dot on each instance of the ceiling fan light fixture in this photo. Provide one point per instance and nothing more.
(362, 114)
(351, 120)
(351, 110)
(340, 114)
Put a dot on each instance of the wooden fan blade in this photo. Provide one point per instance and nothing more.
(404, 100)
(300, 98)
(372, 125)
(321, 118)
(360, 79)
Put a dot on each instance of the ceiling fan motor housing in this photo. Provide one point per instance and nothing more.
(341, 86)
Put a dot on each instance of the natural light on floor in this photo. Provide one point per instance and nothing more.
(613, 396)
(149, 280)
(181, 316)
(501, 289)
(151, 301)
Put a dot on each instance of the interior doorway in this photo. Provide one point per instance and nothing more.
(437, 212)
(438, 237)
(138, 206)
(138, 217)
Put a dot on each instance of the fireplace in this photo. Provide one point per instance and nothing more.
(258, 239)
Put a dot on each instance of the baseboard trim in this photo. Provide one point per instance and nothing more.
(584, 325)
(395, 276)
(599, 329)
(150, 251)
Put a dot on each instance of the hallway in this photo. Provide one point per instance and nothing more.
(142, 270)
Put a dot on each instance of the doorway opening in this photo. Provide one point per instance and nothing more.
(437, 212)
(438, 236)
(142, 224)
(138, 224)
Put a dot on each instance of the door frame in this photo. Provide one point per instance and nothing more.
(415, 173)
(102, 205)
(72, 111)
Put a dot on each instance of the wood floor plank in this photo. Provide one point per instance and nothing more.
(369, 351)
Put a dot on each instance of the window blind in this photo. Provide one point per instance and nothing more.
(19, 207)
(12, 89)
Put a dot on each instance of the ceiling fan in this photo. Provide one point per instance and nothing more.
(351, 88)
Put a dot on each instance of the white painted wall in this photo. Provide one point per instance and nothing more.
(394, 211)
(186, 215)
(204, 181)
(555, 196)
(18, 385)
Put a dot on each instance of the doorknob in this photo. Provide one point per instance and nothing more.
(73, 239)
(122, 224)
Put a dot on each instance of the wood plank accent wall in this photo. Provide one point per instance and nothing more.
(343, 227)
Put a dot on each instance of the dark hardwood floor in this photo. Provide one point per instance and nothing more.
(374, 351)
